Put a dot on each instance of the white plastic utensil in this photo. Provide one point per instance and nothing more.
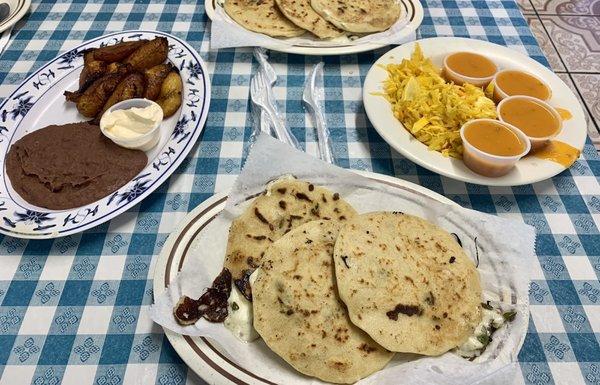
(259, 95)
(260, 54)
(313, 96)
(267, 75)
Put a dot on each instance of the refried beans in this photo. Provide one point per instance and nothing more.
(71, 165)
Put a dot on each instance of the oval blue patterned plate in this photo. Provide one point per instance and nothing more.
(39, 102)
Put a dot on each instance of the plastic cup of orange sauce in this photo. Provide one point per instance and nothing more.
(510, 82)
(469, 67)
(492, 147)
(535, 118)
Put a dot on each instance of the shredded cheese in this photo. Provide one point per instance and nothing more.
(430, 108)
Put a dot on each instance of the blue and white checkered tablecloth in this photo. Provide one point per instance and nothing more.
(75, 309)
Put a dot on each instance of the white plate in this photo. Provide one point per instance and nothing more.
(201, 354)
(18, 9)
(39, 102)
(528, 170)
(412, 8)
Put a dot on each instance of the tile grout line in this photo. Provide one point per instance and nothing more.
(559, 14)
(566, 69)
(536, 12)
(577, 72)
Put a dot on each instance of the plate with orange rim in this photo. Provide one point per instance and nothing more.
(533, 168)
(203, 355)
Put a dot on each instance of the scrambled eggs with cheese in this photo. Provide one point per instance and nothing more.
(431, 109)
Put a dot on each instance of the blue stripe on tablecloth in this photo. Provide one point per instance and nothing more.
(105, 274)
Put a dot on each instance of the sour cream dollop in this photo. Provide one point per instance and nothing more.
(133, 122)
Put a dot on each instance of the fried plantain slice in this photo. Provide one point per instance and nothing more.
(92, 70)
(72, 96)
(131, 87)
(117, 52)
(117, 67)
(149, 55)
(111, 68)
(154, 79)
(170, 93)
(88, 56)
(91, 101)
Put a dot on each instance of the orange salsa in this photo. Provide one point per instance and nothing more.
(471, 65)
(521, 83)
(494, 138)
(534, 119)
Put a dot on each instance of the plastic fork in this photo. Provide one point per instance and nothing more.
(260, 97)
(261, 56)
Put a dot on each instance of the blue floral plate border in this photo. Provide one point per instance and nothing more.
(26, 221)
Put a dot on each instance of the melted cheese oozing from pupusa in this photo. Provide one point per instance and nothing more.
(240, 315)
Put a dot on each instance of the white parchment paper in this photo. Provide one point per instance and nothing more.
(503, 249)
(226, 33)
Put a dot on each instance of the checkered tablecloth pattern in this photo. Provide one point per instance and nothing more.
(75, 309)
